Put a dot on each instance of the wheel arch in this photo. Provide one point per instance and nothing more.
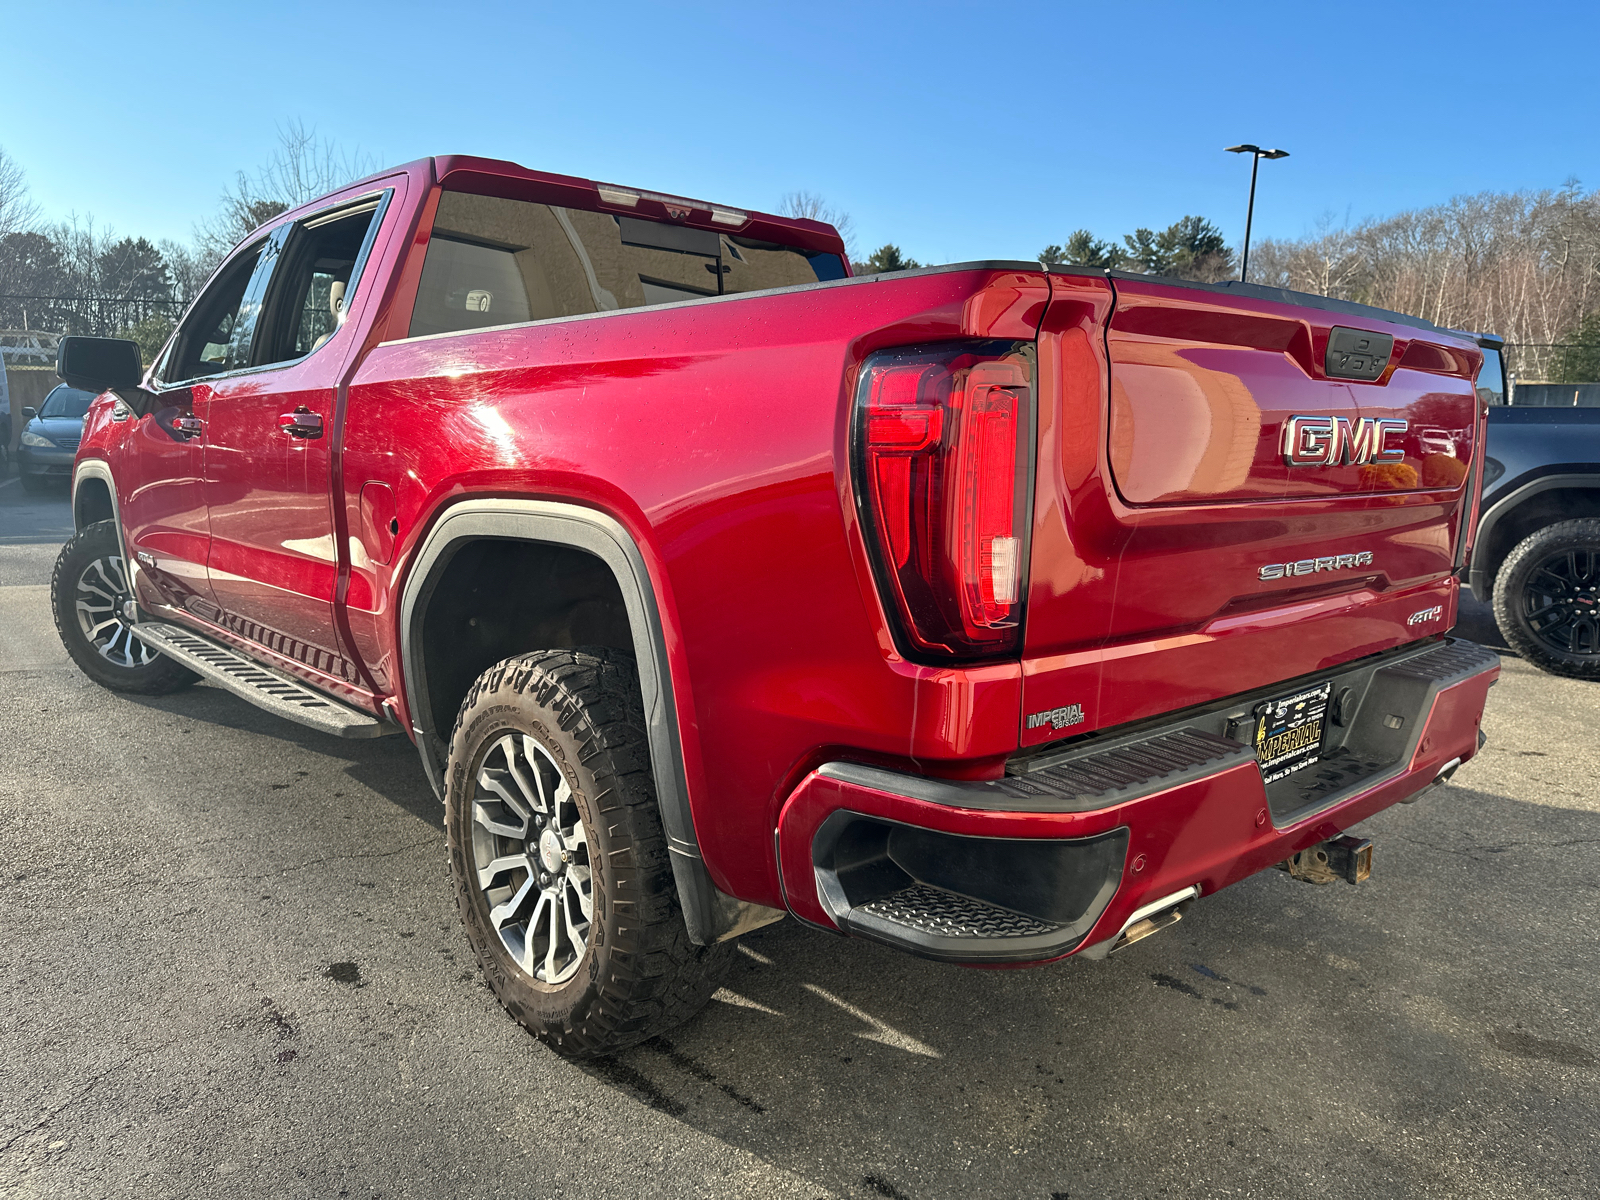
(94, 498)
(709, 914)
(94, 495)
(1538, 502)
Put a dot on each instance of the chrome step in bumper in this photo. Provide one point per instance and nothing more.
(264, 688)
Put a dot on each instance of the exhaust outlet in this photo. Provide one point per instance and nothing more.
(1439, 780)
(1154, 917)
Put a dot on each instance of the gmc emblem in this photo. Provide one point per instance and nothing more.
(1335, 441)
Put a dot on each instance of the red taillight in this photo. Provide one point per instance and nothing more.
(940, 442)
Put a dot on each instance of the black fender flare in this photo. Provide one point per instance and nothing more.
(100, 470)
(710, 914)
(1478, 572)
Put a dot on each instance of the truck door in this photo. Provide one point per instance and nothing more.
(267, 457)
(158, 470)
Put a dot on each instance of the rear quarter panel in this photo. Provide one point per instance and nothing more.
(716, 433)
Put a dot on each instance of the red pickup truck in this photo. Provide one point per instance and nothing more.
(991, 612)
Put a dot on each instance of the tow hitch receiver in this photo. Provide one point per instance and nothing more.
(1347, 858)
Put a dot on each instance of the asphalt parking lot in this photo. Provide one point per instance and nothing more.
(230, 965)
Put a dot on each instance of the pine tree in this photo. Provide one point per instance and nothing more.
(1579, 360)
(888, 258)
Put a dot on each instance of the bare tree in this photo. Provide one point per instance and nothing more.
(18, 212)
(1525, 265)
(187, 267)
(811, 206)
(303, 167)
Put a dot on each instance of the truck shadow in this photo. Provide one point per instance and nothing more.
(388, 766)
(1418, 1034)
(1282, 1035)
(1475, 622)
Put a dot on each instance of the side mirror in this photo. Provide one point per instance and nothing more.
(98, 364)
(29, 414)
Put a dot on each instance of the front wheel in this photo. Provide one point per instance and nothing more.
(559, 859)
(90, 597)
(1547, 598)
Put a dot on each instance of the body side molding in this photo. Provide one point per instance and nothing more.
(709, 914)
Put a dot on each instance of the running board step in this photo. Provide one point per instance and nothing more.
(266, 689)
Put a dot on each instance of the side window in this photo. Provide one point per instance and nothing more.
(217, 335)
(312, 286)
(1492, 378)
(493, 261)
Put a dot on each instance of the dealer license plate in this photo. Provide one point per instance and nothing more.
(1289, 731)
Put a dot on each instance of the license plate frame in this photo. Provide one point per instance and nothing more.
(1290, 730)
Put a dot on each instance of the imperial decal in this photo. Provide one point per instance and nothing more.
(1335, 441)
(1057, 718)
(1310, 566)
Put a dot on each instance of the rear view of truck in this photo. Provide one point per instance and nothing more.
(994, 613)
(1219, 529)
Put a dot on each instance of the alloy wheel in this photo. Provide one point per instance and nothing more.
(101, 600)
(531, 854)
(1561, 601)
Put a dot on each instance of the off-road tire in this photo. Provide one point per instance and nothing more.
(1516, 581)
(640, 974)
(98, 543)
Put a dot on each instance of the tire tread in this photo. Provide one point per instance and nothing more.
(1507, 596)
(654, 977)
(158, 678)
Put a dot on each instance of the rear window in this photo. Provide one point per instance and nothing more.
(493, 261)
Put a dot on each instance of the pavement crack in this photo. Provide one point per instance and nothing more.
(82, 1093)
(316, 862)
(1497, 848)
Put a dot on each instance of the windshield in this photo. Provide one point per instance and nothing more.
(66, 402)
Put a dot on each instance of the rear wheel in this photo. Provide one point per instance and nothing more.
(1547, 598)
(558, 856)
(89, 596)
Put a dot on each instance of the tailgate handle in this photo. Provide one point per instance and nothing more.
(1357, 354)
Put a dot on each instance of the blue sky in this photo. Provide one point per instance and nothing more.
(959, 131)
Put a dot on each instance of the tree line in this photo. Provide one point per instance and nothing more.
(1525, 265)
(74, 276)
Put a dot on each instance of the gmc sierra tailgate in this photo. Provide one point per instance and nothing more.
(1235, 486)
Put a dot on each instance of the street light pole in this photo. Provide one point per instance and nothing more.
(1256, 155)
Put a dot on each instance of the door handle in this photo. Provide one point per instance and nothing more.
(301, 423)
(187, 427)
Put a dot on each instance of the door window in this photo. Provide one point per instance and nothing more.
(311, 292)
(217, 335)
